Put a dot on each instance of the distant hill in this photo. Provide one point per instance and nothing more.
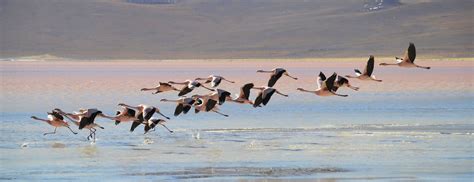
(177, 29)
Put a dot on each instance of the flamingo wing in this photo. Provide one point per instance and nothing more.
(370, 66)
(216, 81)
(148, 113)
(186, 109)
(274, 78)
(57, 115)
(267, 96)
(188, 105)
(410, 54)
(222, 97)
(185, 90)
(131, 112)
(210, 104)
(134, 125)
(117, 121)
(329, 83)
(258, 100)
(179, 109)
(245, 91)
(89, 118)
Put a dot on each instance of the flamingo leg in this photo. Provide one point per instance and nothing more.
(93, 133)
(221, 113)
(51, 132)
(339, 94)
(424, 67)
(353, 88)
(90, 135)
(294, 78)
(75, 133)
(166, 128)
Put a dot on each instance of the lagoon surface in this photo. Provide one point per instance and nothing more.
(415, 125)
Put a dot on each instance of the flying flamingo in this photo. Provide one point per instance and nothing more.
(408, 60)
(189, 86)
(183, 106)
(162, 87)
(220, 95)
(204, 103)
(84, 119)
(214, 80)
(243, 97)
(325, 86)
(144, 117)
(343, 82)
(124, 115)
(276, 74)
(367, 74)
(54, 119)
(265, 95)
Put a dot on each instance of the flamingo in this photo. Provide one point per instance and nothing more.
(243, 97)
(162, 87)
(276, 74)
(84, 119)
(153, 122)
(214, 80)
(189, 86)
(220, 95)
(124, 115)
(265, 95)
(144, 117)
(367, 74)
(54, 119)
(325, 86)
(206, 104)
(408, 60)
(183, 106)
(343, 82)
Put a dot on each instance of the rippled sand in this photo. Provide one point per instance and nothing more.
(415, 125)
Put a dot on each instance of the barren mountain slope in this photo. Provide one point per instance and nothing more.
(111, 29)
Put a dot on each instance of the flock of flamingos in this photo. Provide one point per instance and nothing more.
(142, 114)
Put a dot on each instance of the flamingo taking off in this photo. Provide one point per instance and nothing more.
(144, 117)
(214, 80)
(162, 87)
(276, 74)
(243, 97)
(124, 115)
(408, 60)
(183, 106)
(189, 86)
(368, 72)
(54, 119)
(84, 119)
(153, 122)
(325, 86)
(265, 95)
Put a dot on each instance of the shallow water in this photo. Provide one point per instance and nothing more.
(415, 125)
